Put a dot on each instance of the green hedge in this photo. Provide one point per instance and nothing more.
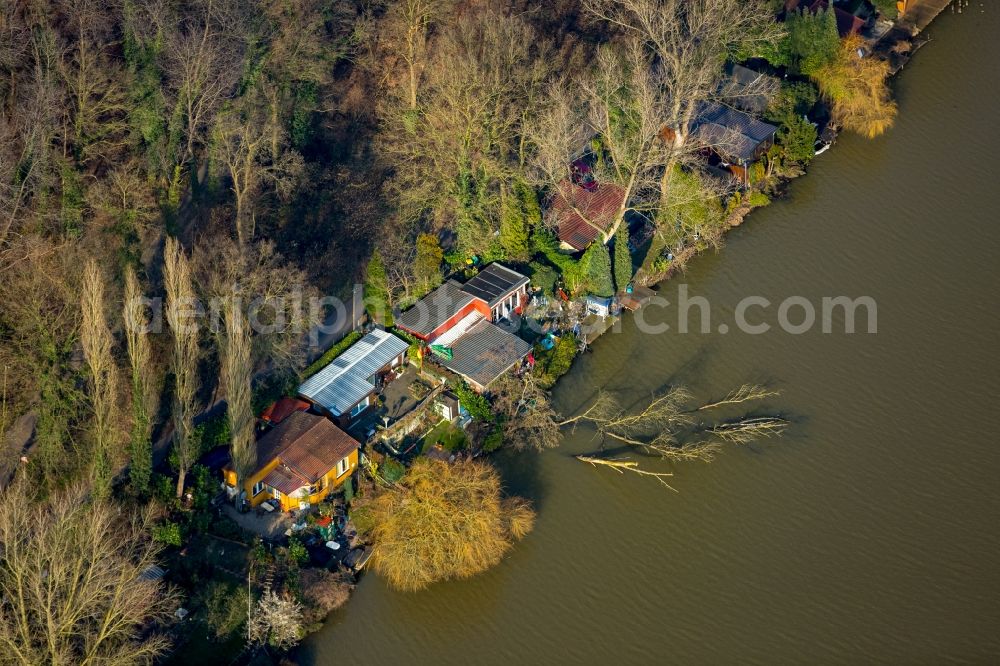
(333, 352)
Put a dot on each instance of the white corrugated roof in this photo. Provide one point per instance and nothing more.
(458, 330)
(348, 378)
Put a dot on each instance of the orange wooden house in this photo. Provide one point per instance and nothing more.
(299, 463)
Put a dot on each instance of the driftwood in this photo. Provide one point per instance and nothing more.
(745, 393)
(748, 429)
(622, 465)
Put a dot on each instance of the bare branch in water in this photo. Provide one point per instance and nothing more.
(622, 465)
(745, 393)
(748, 429)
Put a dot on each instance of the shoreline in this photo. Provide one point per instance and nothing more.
(882, 46)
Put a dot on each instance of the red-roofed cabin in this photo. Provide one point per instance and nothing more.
(582, 214)
(282, 409)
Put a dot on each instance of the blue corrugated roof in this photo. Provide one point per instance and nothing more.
(348, 378)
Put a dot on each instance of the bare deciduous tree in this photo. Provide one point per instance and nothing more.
(253, 153)
(237, 374)
(72, 589)
(664, 426)
(452, 155)
(642, 98)
(276, 621)
(527, 418)
(274, 296)
(203, 57)
(145, 381)
(407, 25)
(98, 351)
(180, 311)
(93, 78)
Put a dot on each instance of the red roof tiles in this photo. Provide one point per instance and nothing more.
(309, 445)
(581, 214)
(282, 409)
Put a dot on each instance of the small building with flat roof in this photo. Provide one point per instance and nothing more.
(493, 294)
(343, 389)
(484, 353)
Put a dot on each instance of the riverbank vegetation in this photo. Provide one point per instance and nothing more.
(250, 155)
(444, 521)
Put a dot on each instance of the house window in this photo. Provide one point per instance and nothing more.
(258, 487)
(360, 407)
(343, 466)
(275, 493)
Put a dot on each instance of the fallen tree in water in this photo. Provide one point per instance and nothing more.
(664, 426)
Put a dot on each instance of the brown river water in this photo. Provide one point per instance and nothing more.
(870, 532)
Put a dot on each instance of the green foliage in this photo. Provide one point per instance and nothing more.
(472, 215)
(887, 8)
(147, 108)
(333, 352)
(795, 98)
(756, 172)
(812, 40)
(477, 406)
(514, 229)
(551, 364)
(297, 551)
(363, 519)
(274, 387)
(692, 207)
(212, 432)
(377, 297)
(757, 199)
(225, 608)
(427, 266)
(73, 202)
(413, 352)
(164, 489)
(542, 276)
(546, 244)
(169, 533)
(597, 264)
(140, 451)
(304, 105)
(529, 205)
(798, 139)
(392, 470)
(623, 258)
(259, 553)
(494, 440)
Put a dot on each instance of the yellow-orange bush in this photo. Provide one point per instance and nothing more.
(857, 91)
(444, 521)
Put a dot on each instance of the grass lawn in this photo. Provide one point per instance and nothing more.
(451, 437)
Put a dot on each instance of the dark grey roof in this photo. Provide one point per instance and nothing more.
(748, 90)
(347, 379)
(730, 132)
(485, 353)
(434, 309)
(494, 283)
